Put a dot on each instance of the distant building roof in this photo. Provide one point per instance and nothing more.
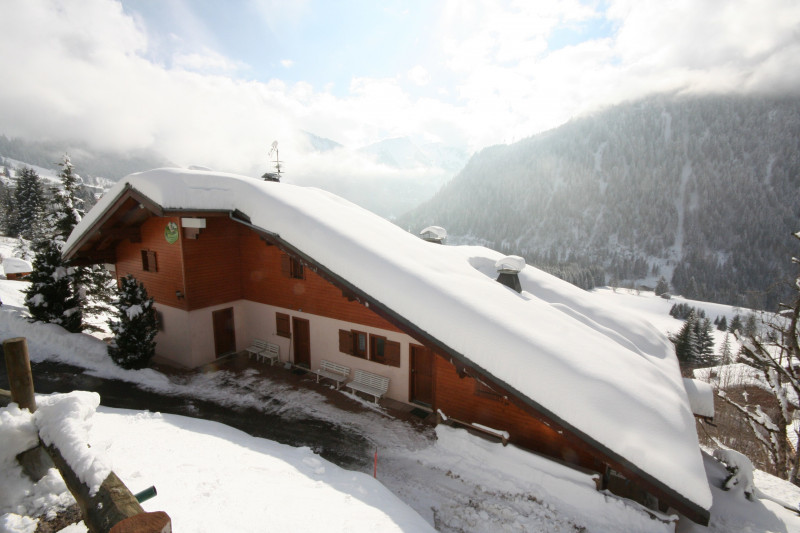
(14, 265)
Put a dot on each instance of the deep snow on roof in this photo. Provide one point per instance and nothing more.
(611, 375)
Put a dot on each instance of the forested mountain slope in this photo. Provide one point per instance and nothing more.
(703, 190)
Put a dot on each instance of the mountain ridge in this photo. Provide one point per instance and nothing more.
(667, 185)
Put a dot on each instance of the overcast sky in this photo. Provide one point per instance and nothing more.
(215, 82)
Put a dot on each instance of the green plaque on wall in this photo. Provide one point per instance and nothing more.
(171, 232)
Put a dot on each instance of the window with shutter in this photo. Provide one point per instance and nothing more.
(292, 268)
(149, 261)
(346, 341)
(393, 353)
(282, 325)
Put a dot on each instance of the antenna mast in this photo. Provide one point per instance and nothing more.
(274, 176)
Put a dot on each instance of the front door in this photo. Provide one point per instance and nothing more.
(421, 375)
(224, 336)
(302, 342)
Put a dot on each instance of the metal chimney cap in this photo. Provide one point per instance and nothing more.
(511, 264)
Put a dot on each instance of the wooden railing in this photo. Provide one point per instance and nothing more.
(113, 508)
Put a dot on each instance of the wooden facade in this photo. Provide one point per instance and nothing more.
(228, 273)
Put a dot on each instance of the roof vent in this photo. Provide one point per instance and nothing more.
(508, 269)
(435, 234)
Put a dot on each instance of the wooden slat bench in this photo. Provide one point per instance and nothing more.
(267, 350)
(333, 371)
(369, 383)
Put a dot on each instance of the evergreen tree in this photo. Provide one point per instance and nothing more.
(662, 287)
(29, 204)
(51, 296)
(726, 355)
(686, 345)
(134, 327)
(57, 294)
(705, 340)
(722, 325)
(736, 324)
(67, 211)
(750, 328)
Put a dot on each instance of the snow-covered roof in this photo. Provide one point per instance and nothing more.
(610, 375)
(701, 397)
(15, 265)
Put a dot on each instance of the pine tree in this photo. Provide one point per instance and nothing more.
(705, 340)
(662, 287)
(736, 324)
(51, 296)
(29, 201)
(68, 209)
(726, 355)
(56, 294)
(722, 325)
(134, 327)
(686, 345)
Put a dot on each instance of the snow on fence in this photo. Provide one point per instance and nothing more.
(106, 504)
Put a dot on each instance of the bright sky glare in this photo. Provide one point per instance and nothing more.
(214, 83)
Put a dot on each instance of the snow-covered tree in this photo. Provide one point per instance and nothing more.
(777, 357)
(51, 296)
(29, 203)
(134, 327)
(67, 207)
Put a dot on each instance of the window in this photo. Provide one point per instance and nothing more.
(360, 344)
(292, 268)
(149, 263)
(353, 343)
(381, 350)
(384, 351)
(282, 325)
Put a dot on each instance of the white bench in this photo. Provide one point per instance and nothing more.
(267, 350)
(336, 372)
(369, 383)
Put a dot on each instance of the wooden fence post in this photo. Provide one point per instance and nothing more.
(20, 379)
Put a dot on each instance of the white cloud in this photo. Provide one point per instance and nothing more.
(287, 63)
(83, 69)
(419, 75)
(207, 61)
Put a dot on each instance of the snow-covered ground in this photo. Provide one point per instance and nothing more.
(206, 472)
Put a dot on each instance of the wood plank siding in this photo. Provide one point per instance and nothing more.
(466, 399)
(167, 277)
(264, 281)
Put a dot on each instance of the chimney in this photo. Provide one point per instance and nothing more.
(435, 234)
(508, 269)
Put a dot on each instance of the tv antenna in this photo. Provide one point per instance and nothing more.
(274, 176)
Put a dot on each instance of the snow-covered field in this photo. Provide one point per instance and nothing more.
(212, 477)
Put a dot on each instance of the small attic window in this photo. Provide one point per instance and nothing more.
(149, 263)
(435, 234)
(292, 268)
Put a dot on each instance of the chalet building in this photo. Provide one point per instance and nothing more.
(229, 259)
(16, 269)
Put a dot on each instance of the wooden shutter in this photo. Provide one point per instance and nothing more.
(345, 341)
(286, 266)
(392, 354)
(282, 325)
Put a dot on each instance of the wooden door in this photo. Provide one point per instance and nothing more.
(301, 338)
(421, 375)
(224, 335)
